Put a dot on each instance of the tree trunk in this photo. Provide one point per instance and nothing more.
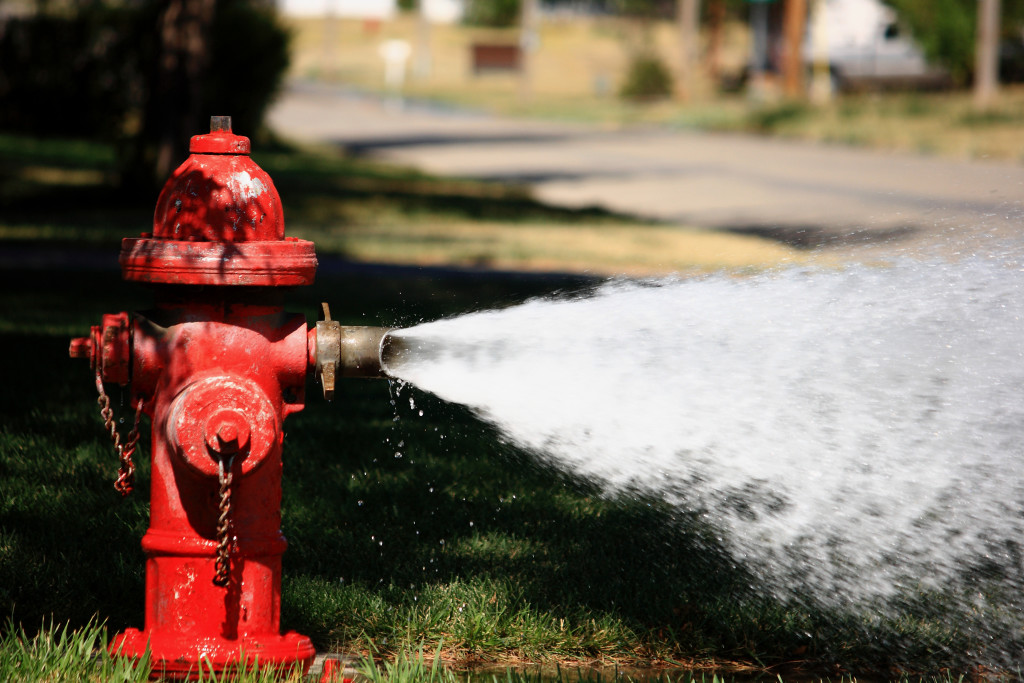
(688, 18)
(175, 109)
(529, 38)
(421, 54)
(795, 25)
(986, 64)
(716, 29)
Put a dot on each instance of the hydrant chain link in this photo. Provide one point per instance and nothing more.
(125, 481)
(223, 562)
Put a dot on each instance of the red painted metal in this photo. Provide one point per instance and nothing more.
(219, 369)
(218, 221)
(333, 671)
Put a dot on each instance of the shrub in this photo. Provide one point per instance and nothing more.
(494, 13)
(93, 73)
(648, 79)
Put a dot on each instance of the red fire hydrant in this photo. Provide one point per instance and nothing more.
(217, 365)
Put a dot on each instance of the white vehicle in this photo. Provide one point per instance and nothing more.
(864, 46)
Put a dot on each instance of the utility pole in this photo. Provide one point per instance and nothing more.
(821, 79)
(421, 54)
(986, 59)
(330, 25)
(688, 19)
(176, 106)
(529, 39)
(794, 27)
(759, 48)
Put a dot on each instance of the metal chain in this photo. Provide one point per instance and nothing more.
(126, 471)
(223, 563)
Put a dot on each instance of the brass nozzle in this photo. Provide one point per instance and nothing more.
(348, 351)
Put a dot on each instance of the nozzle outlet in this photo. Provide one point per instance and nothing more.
(348, 351)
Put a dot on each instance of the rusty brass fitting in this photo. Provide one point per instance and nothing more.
(348, 351)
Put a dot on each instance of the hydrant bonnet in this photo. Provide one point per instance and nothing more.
(219, 221)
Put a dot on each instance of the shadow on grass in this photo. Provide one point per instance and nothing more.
(308, 182)
(66, 193)
(70, 545)
(462, 538)
(417, 529)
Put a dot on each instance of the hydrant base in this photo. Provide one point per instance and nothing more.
(178, 657)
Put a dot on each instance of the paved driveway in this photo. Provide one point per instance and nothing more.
(810, 195)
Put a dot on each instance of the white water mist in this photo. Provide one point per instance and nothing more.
(851, 435)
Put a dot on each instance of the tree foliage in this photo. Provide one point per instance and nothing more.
(494, 13)
(947, 30)
(100, 71)
(648, 79)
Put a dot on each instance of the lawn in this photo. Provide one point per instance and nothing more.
(406, 530)
(463, 541)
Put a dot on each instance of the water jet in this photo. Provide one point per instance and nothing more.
(850, 436)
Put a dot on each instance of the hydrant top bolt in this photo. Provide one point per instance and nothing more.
(220, 123)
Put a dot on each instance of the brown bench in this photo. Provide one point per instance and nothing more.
(490, 57)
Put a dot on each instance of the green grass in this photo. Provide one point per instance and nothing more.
(368, 212)
(464, 540)
(464, 543)
(60, 653)
(64, 192)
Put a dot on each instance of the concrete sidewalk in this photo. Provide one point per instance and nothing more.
(808, 195)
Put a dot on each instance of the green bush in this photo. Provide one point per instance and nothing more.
(494, 13)
(94, 73)
(648, 79)
(249, 57)
(947, 30)
(76, 76)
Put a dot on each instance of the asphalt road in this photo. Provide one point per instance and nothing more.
(805, 194)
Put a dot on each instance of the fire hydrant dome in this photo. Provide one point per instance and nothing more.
(219, 195)
(219, 221)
